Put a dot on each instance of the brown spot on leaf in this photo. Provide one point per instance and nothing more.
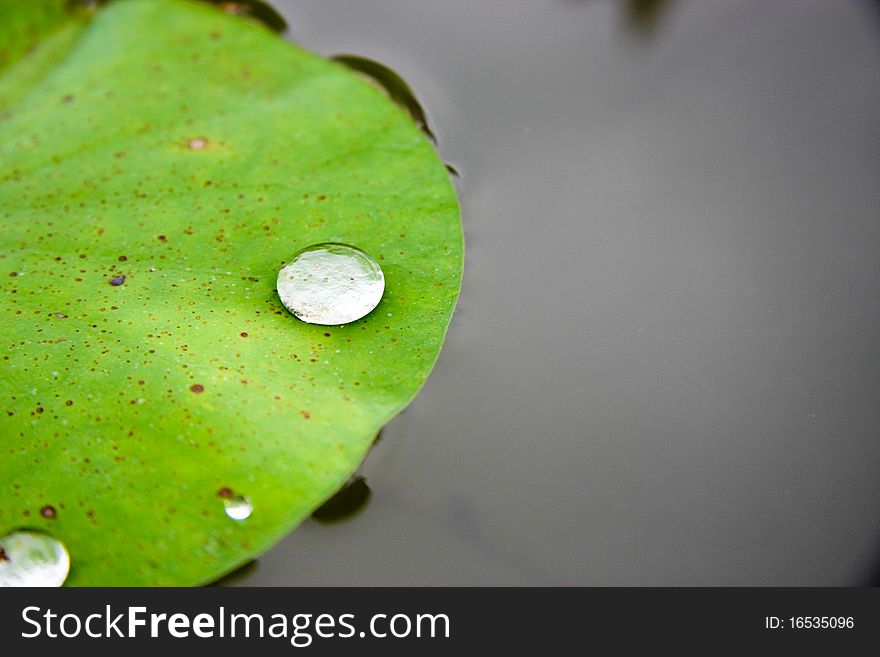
(197, 388)
(48, 511)
(233, 8)
(226, 493)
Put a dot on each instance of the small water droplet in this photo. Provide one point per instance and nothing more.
(48, 511)
(32, 559)
(331, 284)
(238, 507)
(197, 143)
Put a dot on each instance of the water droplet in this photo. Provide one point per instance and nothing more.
(331, 284)
(197, 143)
(32, 559)
(238, 507)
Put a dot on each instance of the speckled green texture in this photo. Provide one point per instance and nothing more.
(25, 23)
(130, 408)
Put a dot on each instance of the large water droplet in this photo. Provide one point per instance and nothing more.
(32, 559)
(238, 507)
(331, 284)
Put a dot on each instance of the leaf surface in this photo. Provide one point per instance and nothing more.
(194, 153)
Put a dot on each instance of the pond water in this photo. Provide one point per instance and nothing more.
(665, 366)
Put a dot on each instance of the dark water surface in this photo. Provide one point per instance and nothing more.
(665, 366)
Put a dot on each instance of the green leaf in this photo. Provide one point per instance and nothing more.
(98, 178)
(25, 23)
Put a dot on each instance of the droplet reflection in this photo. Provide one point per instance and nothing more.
(32, 559)
(331, 284)
(238, 507)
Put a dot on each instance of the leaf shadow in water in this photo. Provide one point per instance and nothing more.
(236, 575)
(255, 9)
(260, 11)
(346, 503)
(392, 84)
(641, 17)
